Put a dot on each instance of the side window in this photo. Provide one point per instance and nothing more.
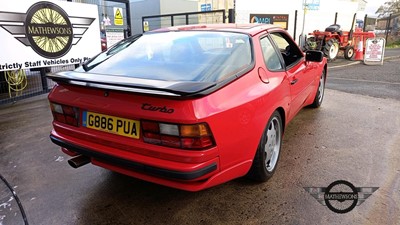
(290, 52)
(271, 58)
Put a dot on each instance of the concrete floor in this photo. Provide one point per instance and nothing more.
(351, 137)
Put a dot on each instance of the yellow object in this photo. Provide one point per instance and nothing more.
(16, 80)
(118, 18)
(146, 26)
(111, 124)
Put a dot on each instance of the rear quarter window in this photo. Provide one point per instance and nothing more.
(271, 57)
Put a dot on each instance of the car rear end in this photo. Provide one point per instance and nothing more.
(147, 113)
(133, 134)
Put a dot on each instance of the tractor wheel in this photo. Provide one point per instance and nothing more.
(311, 44)
(349, 52)
(331, 49)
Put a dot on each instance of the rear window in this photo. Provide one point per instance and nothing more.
(177, 56)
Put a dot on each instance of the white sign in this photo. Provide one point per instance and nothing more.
(374, 51)
(47, 33)
(113, 36)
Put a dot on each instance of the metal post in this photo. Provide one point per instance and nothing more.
(231, 15)
(224, 16)
(335, 18)
(304, 17)
(365, 22)
(128, 19)
(142, 25)
(295, 24)
(388, 27)
(44, 79)
(187, 19)
(3, 82)
(352, 26)
(172, 21)
(302, 38)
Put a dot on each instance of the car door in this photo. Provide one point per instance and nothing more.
(296, 71)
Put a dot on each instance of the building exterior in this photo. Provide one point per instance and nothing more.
(141, 8)
(319, 14)
(393, 27)
(157, 7)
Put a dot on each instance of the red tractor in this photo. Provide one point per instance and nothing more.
(334, 39)
(330, 41)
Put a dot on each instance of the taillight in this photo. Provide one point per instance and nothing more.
(193, 136)
(65, 114)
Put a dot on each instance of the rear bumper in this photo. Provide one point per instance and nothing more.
(137, 167)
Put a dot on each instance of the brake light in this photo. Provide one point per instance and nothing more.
(65, 114)
(193, 136)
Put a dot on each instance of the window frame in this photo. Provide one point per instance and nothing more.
(291, 43)
(274, 46)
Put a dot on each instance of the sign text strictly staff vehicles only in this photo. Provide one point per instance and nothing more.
(41, 63)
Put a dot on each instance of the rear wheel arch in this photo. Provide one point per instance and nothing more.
(267, 154)
(282, 114)
(283, 117)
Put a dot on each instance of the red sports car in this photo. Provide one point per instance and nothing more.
(188, 107)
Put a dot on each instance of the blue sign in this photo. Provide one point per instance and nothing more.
(312, 4)
(205, 7)
(275, 19)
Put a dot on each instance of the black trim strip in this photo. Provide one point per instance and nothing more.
(134, 165)
(160, 87)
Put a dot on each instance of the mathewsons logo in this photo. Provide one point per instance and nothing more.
(46, 33)
(341, 196)
(48, 29)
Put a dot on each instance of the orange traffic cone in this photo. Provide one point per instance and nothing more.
(360, 51)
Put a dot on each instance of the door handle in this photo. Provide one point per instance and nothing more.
(294, 81)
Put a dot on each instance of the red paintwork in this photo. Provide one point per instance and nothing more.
(237, 115)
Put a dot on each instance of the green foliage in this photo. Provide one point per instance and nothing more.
(393, 41)
(395, 44)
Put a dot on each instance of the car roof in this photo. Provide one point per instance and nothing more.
(251, 28)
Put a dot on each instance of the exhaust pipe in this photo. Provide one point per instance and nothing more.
(79, 161)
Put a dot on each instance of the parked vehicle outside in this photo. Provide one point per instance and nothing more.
(188, 107)
(103, 39)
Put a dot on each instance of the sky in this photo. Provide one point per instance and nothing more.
(373, 5)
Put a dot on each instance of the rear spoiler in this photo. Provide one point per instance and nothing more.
(131, 84)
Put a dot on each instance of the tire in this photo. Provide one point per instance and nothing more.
(319, 95)
(268, 150)
(331, 49)
(349, 52)
(311, 44)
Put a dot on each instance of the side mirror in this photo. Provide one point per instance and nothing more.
(314, 56)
